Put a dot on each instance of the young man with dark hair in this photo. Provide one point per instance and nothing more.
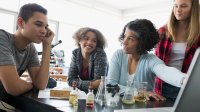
(18, 53)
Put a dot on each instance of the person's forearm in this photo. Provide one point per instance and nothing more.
(41, 79)
(19, 88)
(170, 75)
(11, 81)
(95, 84)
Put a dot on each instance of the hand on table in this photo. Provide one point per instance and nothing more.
(155, 96)
(96, 83)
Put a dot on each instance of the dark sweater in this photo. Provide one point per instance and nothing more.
(97, 67)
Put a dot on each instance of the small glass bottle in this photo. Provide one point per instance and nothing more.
(90, 97)
(73, 97)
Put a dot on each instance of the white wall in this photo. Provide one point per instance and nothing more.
(71, 16)
(157, 13)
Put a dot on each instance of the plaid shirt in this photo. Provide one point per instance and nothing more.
(163, 50)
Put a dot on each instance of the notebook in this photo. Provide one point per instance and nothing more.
(189, 96)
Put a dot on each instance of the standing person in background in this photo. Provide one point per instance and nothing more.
(179, 40)
(89, 60)
(18, 53)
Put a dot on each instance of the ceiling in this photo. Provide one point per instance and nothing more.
(123, 7)
(129, 4)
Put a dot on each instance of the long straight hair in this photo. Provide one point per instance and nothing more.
(193, 24)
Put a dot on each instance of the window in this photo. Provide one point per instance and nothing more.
(9, 18)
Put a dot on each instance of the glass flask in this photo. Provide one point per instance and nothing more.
(100, 96)
(128, 97)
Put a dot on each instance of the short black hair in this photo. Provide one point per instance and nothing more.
(148, 36)
(27, 10)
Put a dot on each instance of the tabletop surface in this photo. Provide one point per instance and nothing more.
(31, 103)
(63, 104)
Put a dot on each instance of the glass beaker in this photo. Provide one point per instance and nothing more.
(128, 97)
(141, 88)
(100, 96)
(112, 95)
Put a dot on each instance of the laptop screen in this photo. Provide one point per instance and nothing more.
(188, 99)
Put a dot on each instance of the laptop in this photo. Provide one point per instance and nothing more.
(188, 98)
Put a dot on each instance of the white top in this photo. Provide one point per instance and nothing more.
(177, 55)
(131, 76)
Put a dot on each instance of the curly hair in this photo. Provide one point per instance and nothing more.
(147, 34)
(101, 41)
